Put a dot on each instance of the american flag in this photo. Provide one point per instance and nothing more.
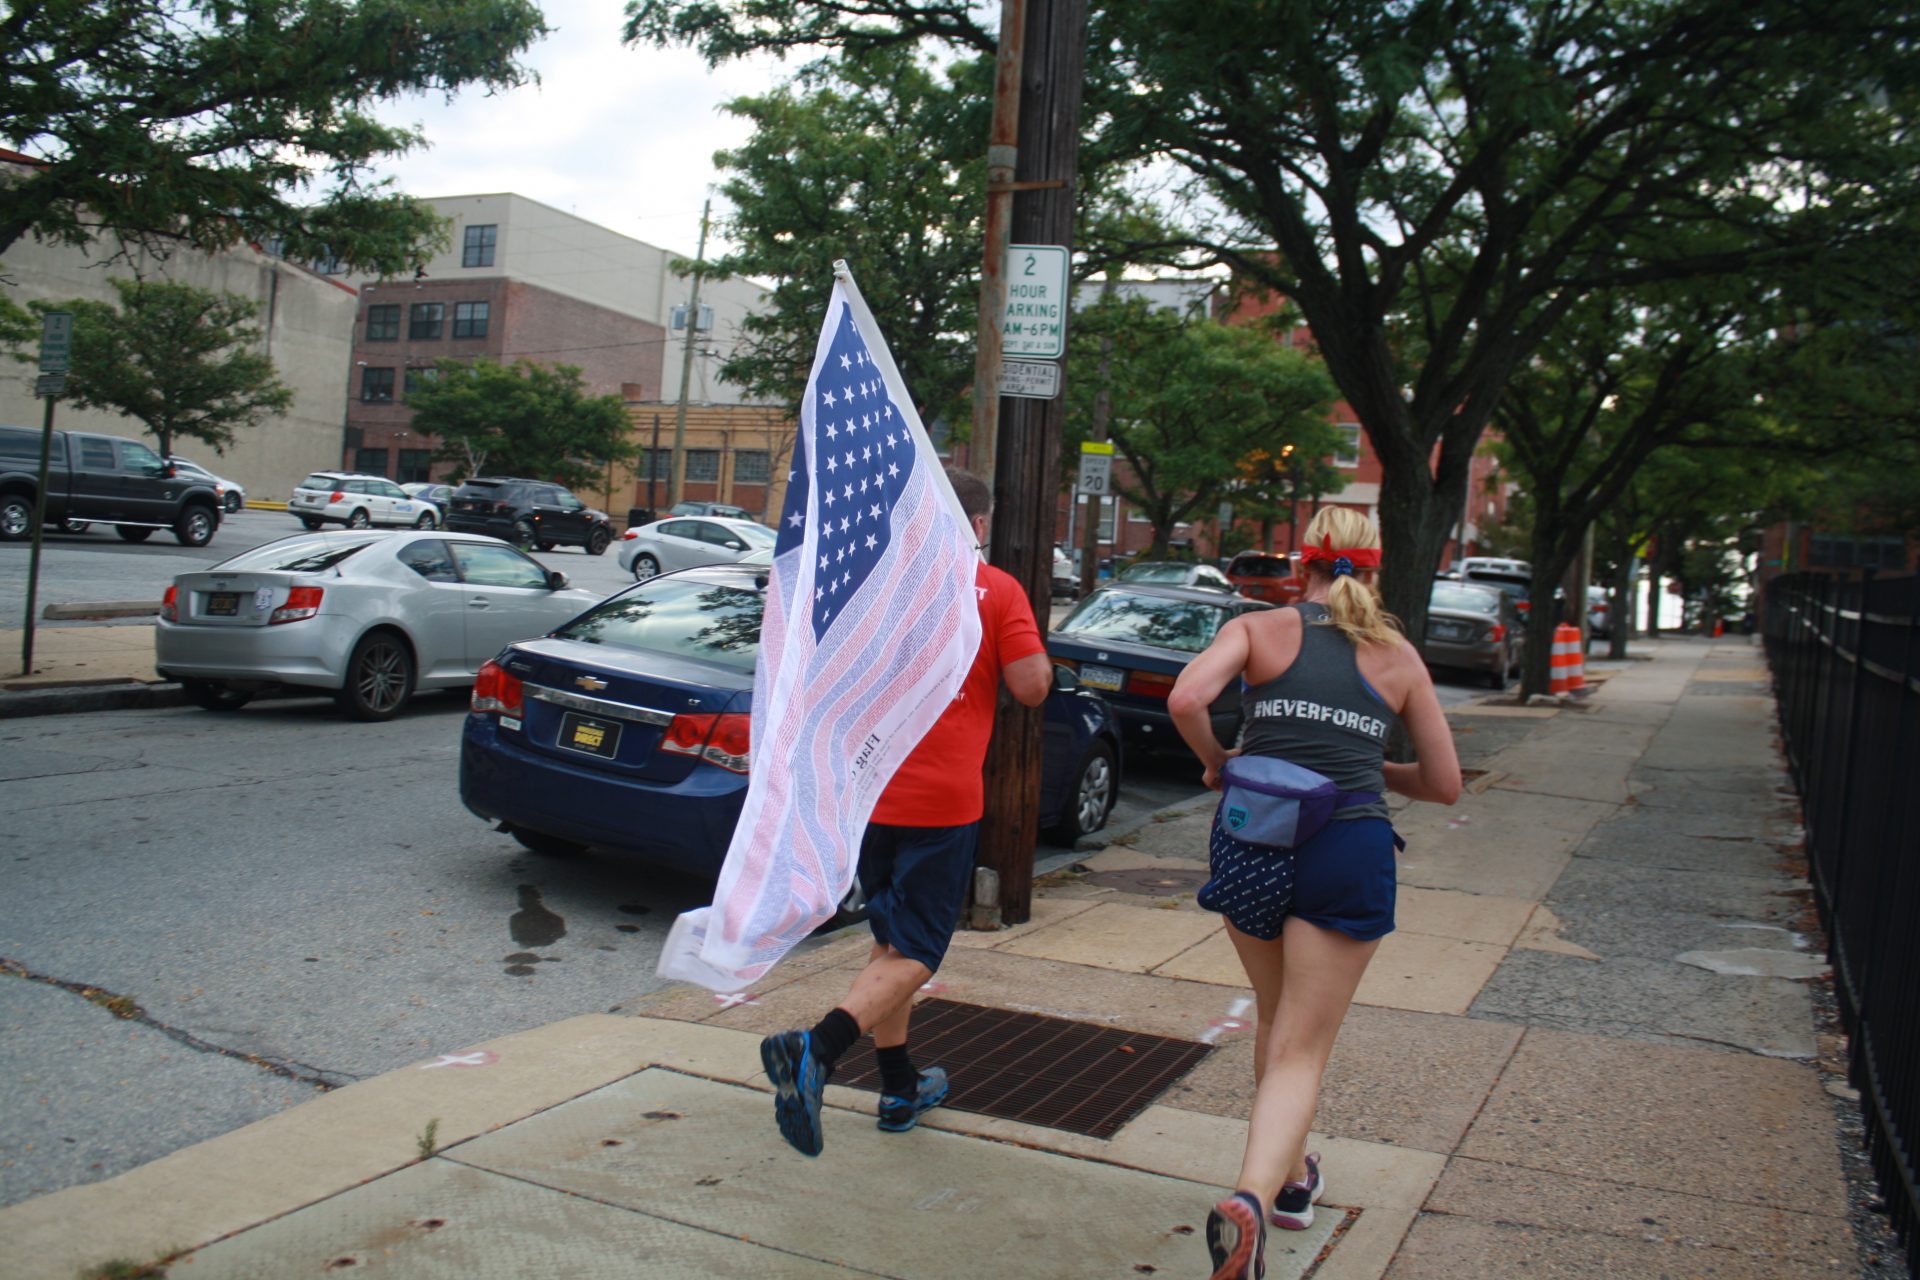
(871, 623)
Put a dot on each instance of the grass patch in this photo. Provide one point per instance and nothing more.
(125, 1269)
(424, 1143)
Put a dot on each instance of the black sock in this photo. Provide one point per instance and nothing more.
(834, 1036)
(898, 1079)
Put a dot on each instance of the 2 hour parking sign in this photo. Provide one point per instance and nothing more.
(1035, 320)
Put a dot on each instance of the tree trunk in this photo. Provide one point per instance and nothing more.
(1620, 607)
(1413, 532)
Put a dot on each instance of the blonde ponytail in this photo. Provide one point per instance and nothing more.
(1352, 603)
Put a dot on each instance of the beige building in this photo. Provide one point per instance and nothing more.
(306, 327)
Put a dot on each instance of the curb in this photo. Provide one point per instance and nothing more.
(62, 700)
(79, 609)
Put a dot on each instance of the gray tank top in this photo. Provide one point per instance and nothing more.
(1321, 714)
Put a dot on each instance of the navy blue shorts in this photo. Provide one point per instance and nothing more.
(915, 879)
(1341, 879)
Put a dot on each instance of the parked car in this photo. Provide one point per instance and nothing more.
(1475, 626)
(1599, 614)
(666, 545)
(1066, 582)
(1262, 575)
(440, 495)
(358, 502)
(367, 615)
(723, 509)
(96, 479)
(628, 728)
(528, 513)
(232, 496)
(1131, 641)
(1175, 573)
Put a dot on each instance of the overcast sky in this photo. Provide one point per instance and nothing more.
(620, 136)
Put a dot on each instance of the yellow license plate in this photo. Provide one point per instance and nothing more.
(590, 734)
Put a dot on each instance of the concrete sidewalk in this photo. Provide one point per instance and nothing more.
(1589, 1050)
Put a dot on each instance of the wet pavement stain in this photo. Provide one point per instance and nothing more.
(533, 925)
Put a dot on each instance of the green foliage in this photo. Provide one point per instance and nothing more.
(17, 325)
(181, 361)
(523, 419)
(217, 123)
(1193, 403)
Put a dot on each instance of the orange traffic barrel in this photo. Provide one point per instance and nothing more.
(1569, 667)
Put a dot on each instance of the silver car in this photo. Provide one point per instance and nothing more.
(369, 616)
(232, 496)
(358, 502)
(685, 542)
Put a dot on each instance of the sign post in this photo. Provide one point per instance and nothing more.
(56, 356)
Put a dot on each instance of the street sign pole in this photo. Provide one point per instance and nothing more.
(56, 346)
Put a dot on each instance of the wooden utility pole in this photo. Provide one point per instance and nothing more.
(1002, 154)
(679, 464)
(1026, 449)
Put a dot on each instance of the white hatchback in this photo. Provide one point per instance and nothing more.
(358, 502)
(686, 542)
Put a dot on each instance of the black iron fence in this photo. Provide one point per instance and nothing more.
(1846, 667)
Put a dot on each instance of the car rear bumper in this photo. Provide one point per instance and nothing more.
(1151, 728)
(1484, 655)
(310, 652)
(685, 825)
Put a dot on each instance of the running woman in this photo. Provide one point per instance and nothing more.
(1326, 681)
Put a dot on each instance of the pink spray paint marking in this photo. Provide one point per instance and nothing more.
(477, 1058)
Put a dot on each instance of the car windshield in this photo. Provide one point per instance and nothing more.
(757, 534)
(1185, 625)
(297, 555)
(682, 616)
(1259, 567)
(317, 481)
(1175, 574)
(1448, 595)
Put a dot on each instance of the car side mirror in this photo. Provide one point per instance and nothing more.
(556, 580)
(731, 545)
(1065, 680)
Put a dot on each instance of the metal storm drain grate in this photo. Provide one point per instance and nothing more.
(1024, 1066)
(1158, 882)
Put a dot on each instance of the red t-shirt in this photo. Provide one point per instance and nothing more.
(939, 785)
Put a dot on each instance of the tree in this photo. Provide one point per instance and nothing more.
(1193, 401)
(181, 361)
(1435, 183)
(213, 123)
(522, 419)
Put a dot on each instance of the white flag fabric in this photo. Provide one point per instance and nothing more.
(871, 624)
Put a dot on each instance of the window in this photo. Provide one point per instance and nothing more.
(750, 466)
(486, 565)
(426, 319)
(376, 385)
(703, 465)
(386, 489)
(416, 466)
(470, 319)
(1347, 453)
(96, 454)
(430, 559)
(136, 459)
(477, 250)
(372, 462)
(383, 322)
(1107, 508)
(1830, 552)
(656, 464)
(416, 377)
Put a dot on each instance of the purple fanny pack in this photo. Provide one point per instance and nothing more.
(1270, 802)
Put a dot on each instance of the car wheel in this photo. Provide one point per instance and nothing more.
(379, 677)
(233, 503)
(597, 542)
(133, 532)
(16, 516)
(1095, 789)
(211, 695)
(548, 846)
(546, 546)
(310, 522)
(426, 521)
(644, 567)
(359, 519)
(1497, 678)
(76, 526)
(195, 527)
(523, 535)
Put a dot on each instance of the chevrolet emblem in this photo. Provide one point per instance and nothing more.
(590, 684)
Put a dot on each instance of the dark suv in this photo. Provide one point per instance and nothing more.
(528, 513)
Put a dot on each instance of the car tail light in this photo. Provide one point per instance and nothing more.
(717, 739)
(497, 690)
(338, 495)
(629, 534)
(1523, 606)
(170, 605)
(302, 602)
(1498, 632)
(503, 508)
(1148, 684)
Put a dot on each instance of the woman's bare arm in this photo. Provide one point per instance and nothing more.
(1435, 773)
(1199, 684)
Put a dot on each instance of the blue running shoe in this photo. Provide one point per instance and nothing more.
(897, 1115)
(799, 1079)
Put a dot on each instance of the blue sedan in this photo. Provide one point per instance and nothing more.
(628, 728)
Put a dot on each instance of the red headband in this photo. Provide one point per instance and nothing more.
(1356, 557)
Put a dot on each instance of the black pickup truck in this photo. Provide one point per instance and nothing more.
(94, 479)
